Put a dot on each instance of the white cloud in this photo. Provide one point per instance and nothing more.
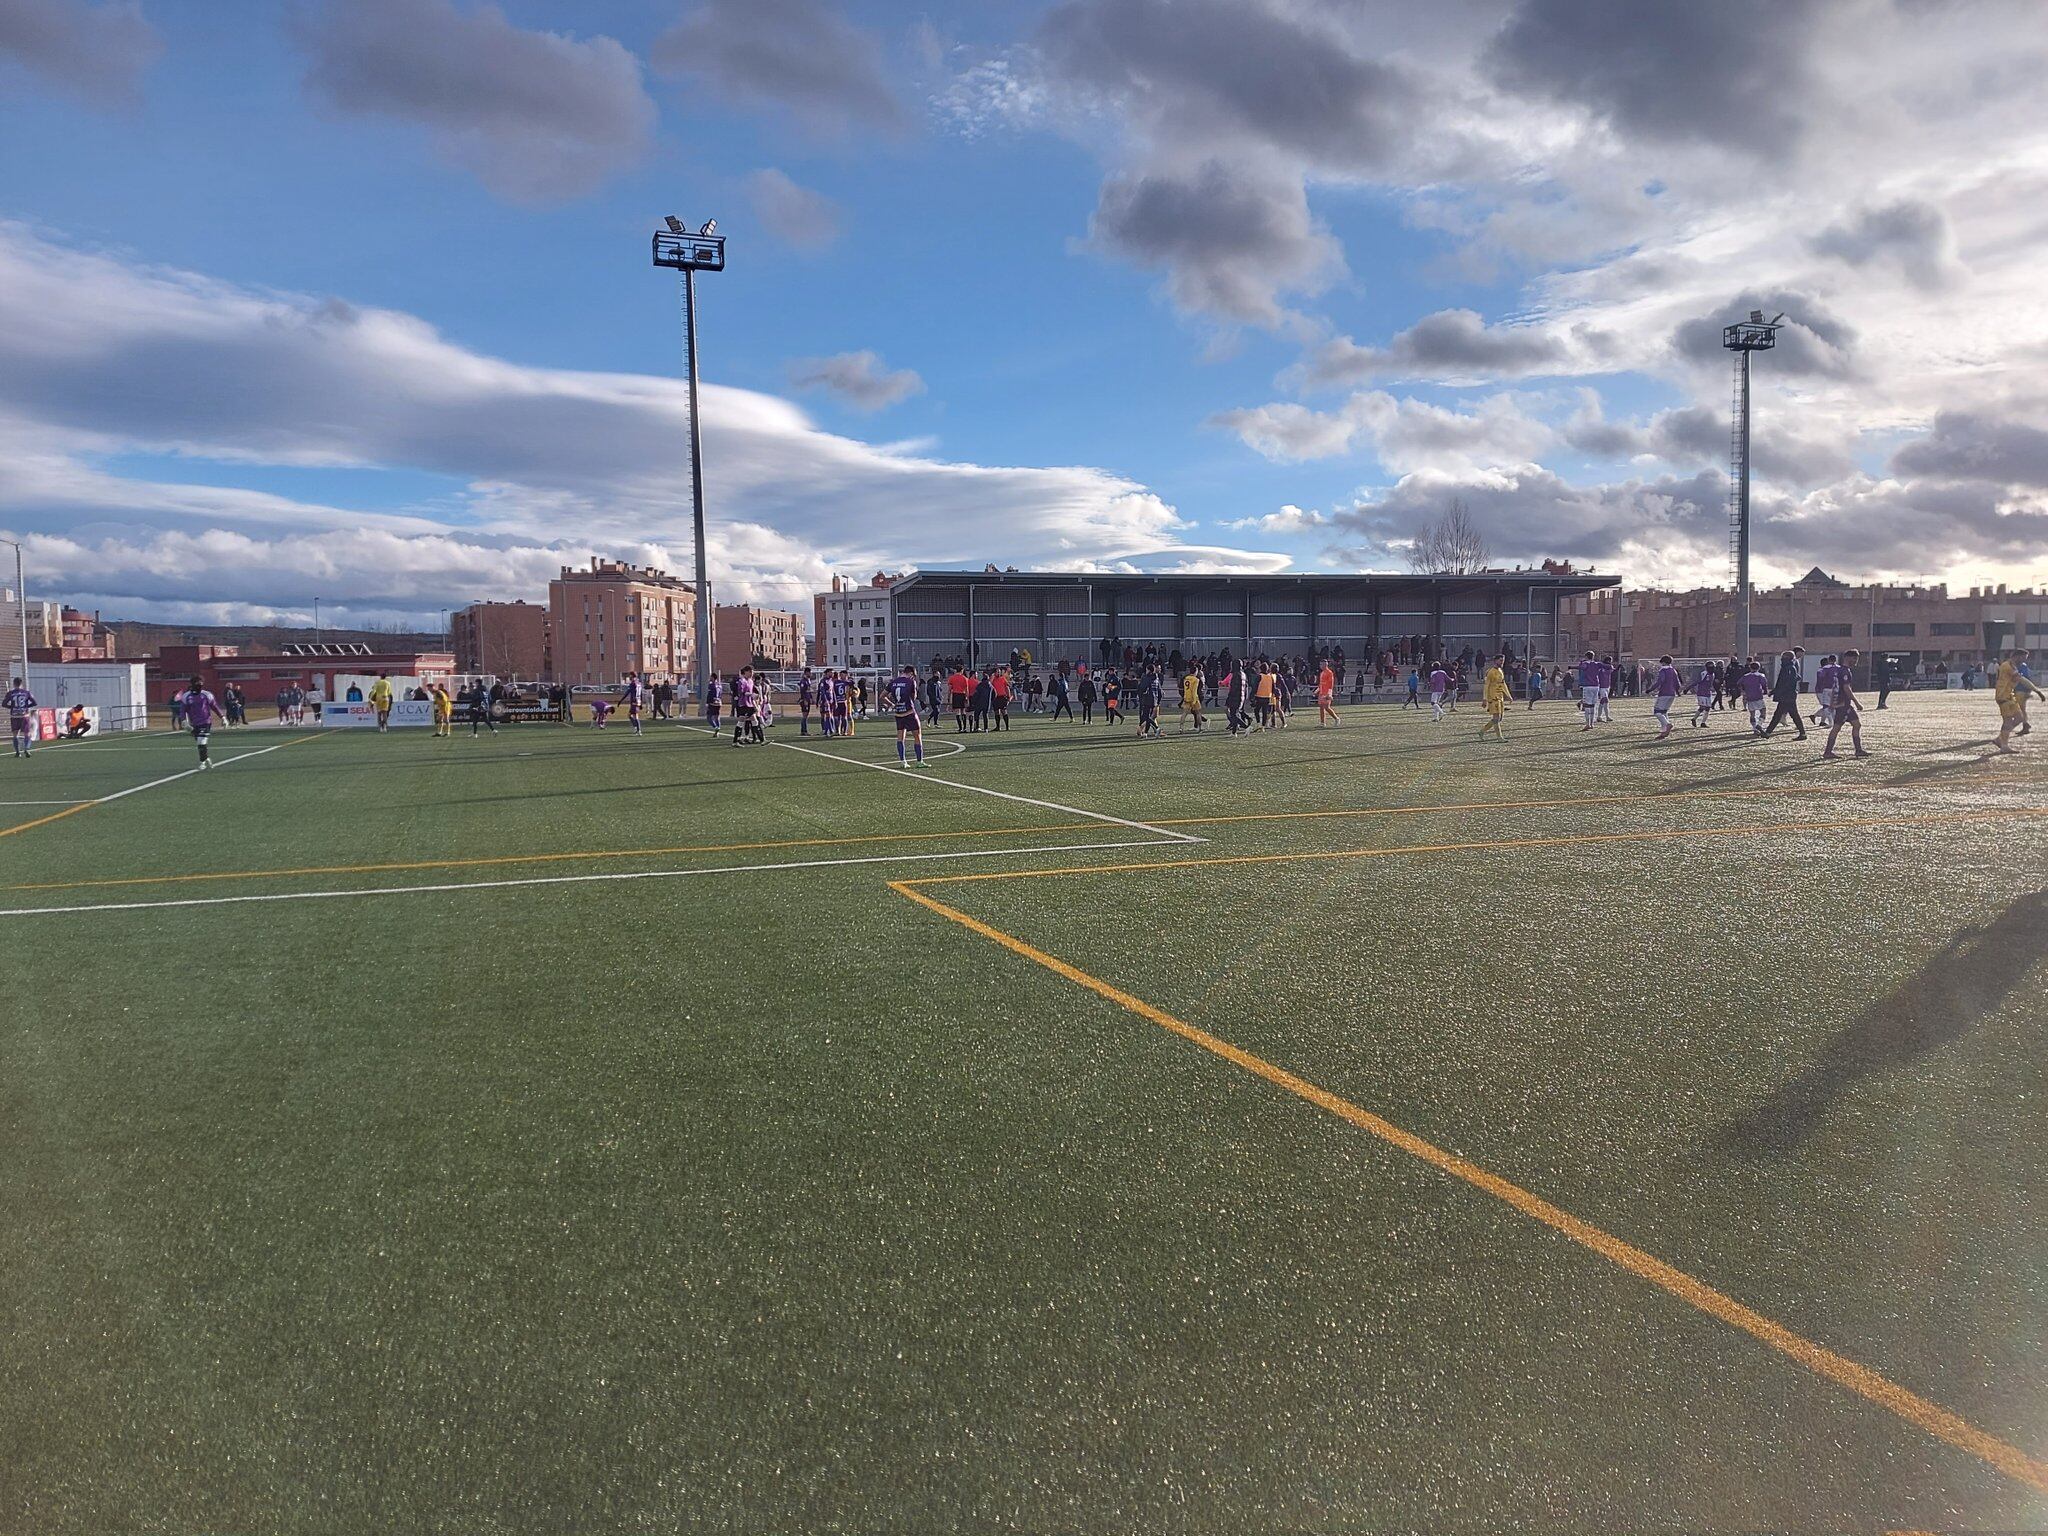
(544, 465)
(1404, 433)
(1289, 520)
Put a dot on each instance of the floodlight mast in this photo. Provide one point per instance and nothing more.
(690, 254)
(1756, 334)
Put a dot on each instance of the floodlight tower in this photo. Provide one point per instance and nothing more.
(1745, 337)
(690, 254)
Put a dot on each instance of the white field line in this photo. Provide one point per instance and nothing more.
(643, 874)
(37, 802)
(172, 778)
(1045, 805)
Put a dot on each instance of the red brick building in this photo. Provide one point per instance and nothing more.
(313, 667)
(745, 636)
(507, 640)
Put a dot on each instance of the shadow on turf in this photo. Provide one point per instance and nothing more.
(1961, 984)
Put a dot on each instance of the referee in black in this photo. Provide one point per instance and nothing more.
(1785, 693)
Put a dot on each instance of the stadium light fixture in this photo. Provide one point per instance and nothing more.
(690, 254)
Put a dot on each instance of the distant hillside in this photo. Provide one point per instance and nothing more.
(136, 639)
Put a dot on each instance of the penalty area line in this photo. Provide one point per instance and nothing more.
(1163, 833)
(592, 879)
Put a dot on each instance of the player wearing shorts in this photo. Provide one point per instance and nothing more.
(1493, 698)
(1756, 690)
(380, 700)
(632, 695)
(1706, 692)
(444, 708)
(21, 718)
(1844, 707)
(201, 710)
(842, 704)
(746, 724)
(1326, 696)
(902, 696)
(600, 712)
(999, 690)
(1439, 684)
(806, 696)
(1605, 673)
(1666, 688)
(2011, 689)
(714, 701)
(1589, 689)
(1191, 697)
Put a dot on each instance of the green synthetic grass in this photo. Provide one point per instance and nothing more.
(771, 1201)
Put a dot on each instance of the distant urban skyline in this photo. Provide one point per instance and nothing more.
(351, 301)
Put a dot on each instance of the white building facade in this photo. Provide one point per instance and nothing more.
(856, 625)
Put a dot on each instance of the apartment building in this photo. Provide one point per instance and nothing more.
(505, 640)
(743, 635)
(856, 624)
(616, 618)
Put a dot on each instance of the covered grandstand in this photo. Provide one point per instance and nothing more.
(983, 616)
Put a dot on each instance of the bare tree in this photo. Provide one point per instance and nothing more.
(1450, 545)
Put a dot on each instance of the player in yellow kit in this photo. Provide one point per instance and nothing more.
(1493, 696)
(2010, 691)
(444, 709)
(1191, 695)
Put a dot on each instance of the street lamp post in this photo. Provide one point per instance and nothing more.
(690, 254)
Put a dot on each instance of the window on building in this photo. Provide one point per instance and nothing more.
(1952, 629)
(1767, 631)
(1827, 631)
(1894, 629)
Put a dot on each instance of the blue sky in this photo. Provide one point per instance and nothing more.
(353, 301)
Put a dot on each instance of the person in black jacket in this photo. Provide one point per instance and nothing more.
(1785, 694)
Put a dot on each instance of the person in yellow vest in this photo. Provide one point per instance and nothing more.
(380, 700)
(1493, 696)
(444, 709)
(2012, 690)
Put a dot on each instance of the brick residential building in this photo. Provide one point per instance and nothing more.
(45, 627)
(743, 635)
(1922, 628)
(616, 618)
(505, 640)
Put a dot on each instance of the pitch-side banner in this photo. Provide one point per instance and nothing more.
(357, 716)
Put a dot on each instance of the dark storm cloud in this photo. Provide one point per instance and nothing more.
(1231, 69)
(536, 116)
(97, 51)
(1965, 445)
(1230, 239)
(1725, 72)
(1814, 343)
(1912, 233)
(801, 55)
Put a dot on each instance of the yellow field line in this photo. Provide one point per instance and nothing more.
(1656, 835)
(529, 858)
(1844, 1372)
(44, 821)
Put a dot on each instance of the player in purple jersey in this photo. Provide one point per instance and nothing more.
(806, 696)
(1439, 682)
(745, 726)
(1756, 690)
(21, 725)
(902, 696)
(1845, 708)
(1706, 689)
(1589, 688)
(201, 710)
(1666, 688)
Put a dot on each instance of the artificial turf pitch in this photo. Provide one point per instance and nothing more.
(872, 1193)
